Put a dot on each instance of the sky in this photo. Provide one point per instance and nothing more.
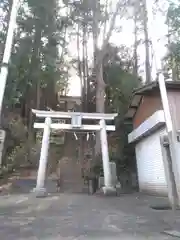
(157, 32)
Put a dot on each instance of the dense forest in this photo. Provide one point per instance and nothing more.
(42, 62)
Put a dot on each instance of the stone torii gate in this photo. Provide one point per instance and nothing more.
(76, 124)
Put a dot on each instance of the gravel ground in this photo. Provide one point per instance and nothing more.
(79, 216)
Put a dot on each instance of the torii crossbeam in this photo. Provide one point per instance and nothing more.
(76, 124)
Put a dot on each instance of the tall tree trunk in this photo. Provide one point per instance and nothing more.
(84, 66)
(106, 17)
(135, 65)
(173, 63)
(97, 71)
(34, 91)
(146, 37)
(98, 65)
(81, 142)
(100, 90)
(87, 71)
(98, 61)
(34, 67)
(79, 64)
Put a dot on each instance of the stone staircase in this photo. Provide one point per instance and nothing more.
(71, 167)
(71, 175)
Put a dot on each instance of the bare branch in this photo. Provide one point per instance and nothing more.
(106, 15)
(112, 24)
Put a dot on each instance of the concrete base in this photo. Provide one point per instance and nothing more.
(109, 191)
(173, 233)
(40, 192)
(101, 182)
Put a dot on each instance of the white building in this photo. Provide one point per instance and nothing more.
(149, 124)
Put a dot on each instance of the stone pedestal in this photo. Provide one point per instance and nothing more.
(101, 182)
(2, 139)
(113, 173)
(109, 191)
(40, 192)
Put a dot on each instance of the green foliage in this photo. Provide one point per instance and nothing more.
(120, 84)
(16, 144)
(173, 16)
(120, 81)
(16, 131)
(37, 73)
(172, 58)
(35, 59)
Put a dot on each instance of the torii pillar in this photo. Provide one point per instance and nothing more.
(108, 188)
(40, 189)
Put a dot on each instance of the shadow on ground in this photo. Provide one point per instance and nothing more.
(27, 185)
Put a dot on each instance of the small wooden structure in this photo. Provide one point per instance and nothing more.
(69, 103)
(146, 111)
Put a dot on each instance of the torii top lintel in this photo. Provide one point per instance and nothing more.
(92, 116)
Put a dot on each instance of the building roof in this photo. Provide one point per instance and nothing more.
(147, 89)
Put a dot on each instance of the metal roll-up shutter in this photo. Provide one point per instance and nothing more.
(151, 174)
